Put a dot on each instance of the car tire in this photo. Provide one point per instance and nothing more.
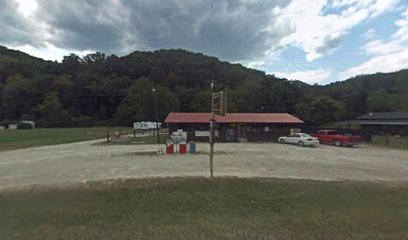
(337, 143)
(301, 144)
(282, 141)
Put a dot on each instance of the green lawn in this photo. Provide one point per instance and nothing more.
(199, 208)
(147, 140)
(15, 139)
(390, 141)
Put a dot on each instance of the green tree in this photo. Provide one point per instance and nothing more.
(201, 101)
(320, 109)
(16, 97)
(138, 105)
(94, 88)
(185, 96)
(167, 102)
(247, 97)
(1, 99)
(97, 58)
(72, 64)
(51, 112)
(279, 97)
(380, 101)
(157, 75)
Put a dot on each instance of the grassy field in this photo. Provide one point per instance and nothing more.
(390, 141)
(199, 208)
(147, 140)
(15, 139)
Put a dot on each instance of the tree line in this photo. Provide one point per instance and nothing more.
(100, 89)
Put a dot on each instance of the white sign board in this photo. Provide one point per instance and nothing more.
(179, 137)
(145, 125)
(202, 133)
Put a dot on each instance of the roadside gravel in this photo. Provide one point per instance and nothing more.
(84, 161)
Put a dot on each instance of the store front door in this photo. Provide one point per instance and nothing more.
(241, 130)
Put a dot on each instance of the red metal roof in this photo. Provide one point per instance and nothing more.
(232, 118)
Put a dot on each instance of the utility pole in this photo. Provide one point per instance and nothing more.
(212, 128)
(157, 115)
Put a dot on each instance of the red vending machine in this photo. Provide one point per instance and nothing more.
(169, 146)
(182, 148)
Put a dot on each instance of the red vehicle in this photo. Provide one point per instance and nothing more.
(333, 137)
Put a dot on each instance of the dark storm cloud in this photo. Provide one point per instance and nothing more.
(83, 25)
(14, 30)
(231, 29)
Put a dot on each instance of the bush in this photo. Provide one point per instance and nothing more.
(403, 132)
(23, 125)
(101, 123)
(5, 123)
(83, 121)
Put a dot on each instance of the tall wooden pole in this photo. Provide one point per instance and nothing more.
(212, 127)
(157, 115)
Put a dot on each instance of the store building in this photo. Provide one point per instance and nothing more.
(394, 123)
(234, 127)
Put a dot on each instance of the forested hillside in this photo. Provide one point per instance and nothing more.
(109, 90)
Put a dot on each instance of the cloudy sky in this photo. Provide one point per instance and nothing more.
(316, 41)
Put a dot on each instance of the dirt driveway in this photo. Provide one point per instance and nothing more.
(80, 162)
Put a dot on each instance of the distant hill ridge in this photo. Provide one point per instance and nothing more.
(101, 89)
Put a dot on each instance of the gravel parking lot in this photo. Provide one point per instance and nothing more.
(80, 162)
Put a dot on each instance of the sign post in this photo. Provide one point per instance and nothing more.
(157, 115)
(212, 127)
(218, 106)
